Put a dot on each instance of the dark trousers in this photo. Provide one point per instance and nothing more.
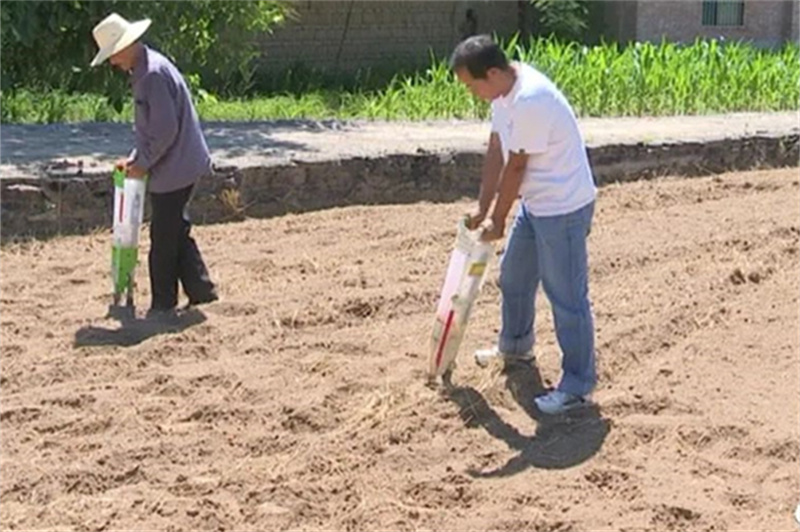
(174, 254)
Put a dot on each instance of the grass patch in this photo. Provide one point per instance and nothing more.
(642, 79)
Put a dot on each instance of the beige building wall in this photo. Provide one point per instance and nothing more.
(346, 35)
(766, 22)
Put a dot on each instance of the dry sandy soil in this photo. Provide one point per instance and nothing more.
(298, 401)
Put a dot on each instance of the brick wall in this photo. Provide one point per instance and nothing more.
(766, 22)
(379, 31)
(619, 20)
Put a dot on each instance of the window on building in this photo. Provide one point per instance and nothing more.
(723, 12)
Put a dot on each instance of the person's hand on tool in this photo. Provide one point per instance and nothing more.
(131, 170)
(474, 219)
(492, 230)
(136, 172)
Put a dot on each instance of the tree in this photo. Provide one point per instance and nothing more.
(49, 44)
(566, 19)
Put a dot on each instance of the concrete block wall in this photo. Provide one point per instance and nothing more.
(40, 207)
(766, 22)
(345, 35)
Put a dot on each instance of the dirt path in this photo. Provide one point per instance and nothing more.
(298, 400)
(25, 150)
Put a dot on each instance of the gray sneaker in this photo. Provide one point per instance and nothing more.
(558, 402)
(484, 356)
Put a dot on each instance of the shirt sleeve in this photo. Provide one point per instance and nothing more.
(156, 136)
(495, 125)
(531, 125)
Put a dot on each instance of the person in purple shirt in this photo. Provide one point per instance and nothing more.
(171, 150)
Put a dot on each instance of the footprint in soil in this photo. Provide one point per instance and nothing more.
(676, 518)
(360, 308)
(738, 277)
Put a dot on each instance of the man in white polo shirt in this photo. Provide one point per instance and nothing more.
(536, 152)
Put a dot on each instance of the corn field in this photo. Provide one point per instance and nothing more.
(610, 80)
(642, 79)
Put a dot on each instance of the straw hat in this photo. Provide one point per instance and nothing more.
(114, 34)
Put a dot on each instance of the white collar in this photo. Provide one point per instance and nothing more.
(509, 98)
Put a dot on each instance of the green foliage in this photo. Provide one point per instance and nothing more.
(48, 45)
(52, 106)
(564, 19)
(668, 78)
(602, 80)
(609, 80)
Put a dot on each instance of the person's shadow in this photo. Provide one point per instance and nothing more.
(559, 442)
(133, 331)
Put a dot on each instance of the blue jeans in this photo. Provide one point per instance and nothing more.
(550, 250)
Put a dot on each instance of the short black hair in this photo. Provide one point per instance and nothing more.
(478, 54)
